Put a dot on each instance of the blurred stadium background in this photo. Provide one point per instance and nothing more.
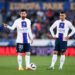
(42, 13)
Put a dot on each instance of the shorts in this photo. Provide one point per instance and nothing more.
(23, 47)
(60, 45)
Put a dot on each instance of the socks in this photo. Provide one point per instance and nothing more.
(19, 60)
(54, 59)
(62, 59)
(27, 60)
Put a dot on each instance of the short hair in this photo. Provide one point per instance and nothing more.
(62, 12)
(23, 10)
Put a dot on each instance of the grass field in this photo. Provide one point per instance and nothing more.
(9, 66)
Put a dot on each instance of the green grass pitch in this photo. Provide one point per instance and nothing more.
(9, 66)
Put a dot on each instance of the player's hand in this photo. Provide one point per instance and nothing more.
(5, 25)
(54, 37)
(67, 37)
(31, 41)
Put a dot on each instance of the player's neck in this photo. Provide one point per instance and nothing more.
(63, 20)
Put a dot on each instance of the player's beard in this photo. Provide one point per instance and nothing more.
(23, 17)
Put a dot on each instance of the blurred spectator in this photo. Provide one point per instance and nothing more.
(40, 13)
(1, 18)
(41, 22)
(37, 27)
(40, 0)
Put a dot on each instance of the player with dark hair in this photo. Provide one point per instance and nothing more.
(61, 37)
(23, 41)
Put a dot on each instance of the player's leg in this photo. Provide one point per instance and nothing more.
(62, 59)
(27, 56)
(27, 60)
(54, 59)
(55, 53)
(63, 47)
(19, 57)
(19, 50)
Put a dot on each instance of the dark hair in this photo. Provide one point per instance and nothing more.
(23, 10)
(62, 12)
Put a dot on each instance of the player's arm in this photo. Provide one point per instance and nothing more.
(11, 27)
(72, 32)
(30, 32)
(51, 29)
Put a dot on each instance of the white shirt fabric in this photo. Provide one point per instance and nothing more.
(62, 29)
(24, 33)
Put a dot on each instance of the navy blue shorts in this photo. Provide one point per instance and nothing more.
(60, 45)
(23, 47)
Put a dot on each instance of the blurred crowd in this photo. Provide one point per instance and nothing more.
(41, 22)
(40, 0)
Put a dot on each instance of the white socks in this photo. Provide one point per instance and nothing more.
(19, 60)
(54, 59)
(27, 61)
(62, 59)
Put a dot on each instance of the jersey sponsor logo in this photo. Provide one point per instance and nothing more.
(23, 30)
(61, 30)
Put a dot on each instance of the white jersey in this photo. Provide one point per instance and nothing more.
(24, 33)
(62, 29)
